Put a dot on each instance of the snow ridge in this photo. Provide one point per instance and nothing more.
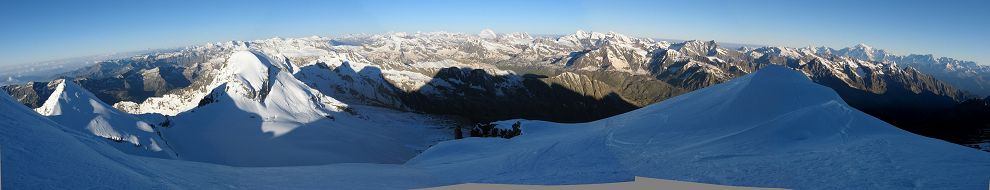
(76, 108)
(259, 114)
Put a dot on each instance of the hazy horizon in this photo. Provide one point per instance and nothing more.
(69, 29)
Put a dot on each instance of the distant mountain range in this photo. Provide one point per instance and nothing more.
(966, 75)
(491, 76)
(48, 70)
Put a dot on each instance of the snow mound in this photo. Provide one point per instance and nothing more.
(76, 108)
(772, 128)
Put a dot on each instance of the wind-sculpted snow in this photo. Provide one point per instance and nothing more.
(773, 128)
(78, 109)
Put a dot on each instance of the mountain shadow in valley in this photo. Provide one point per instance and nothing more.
(924, 113)
(483, 97)
(132, 80)
(965, 123)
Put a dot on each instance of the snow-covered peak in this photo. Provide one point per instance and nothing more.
(618, 37)
(40, 153)
(582, 38)
(263, 104)
(822, 50)
(699, 48)
(519, 36)
(581, 33)
(51, 105)
(866, 52)
(779, 51)
(251, 74)
(77, 109)
(863, 46)
(249, 68)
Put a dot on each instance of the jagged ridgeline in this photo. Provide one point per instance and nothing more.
(579, 77)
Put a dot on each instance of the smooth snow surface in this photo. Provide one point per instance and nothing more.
(640, 183)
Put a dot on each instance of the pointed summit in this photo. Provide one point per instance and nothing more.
(580, 33)
(296, 124)
(862, 46)
(865, 52)
(77, 109)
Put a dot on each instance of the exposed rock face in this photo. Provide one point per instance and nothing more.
(32, 94)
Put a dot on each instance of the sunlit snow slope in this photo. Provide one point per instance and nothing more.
(40, 154)
(74, 107)
(773, 128)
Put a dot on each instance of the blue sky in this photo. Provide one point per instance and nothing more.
(33, 30)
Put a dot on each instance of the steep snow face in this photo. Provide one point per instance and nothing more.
(259, 114)
(76, 108)
(772, 128)
(248, 70)
(256, 85)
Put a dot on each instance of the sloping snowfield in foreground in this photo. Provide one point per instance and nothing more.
(773, 128)
(640, 183)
